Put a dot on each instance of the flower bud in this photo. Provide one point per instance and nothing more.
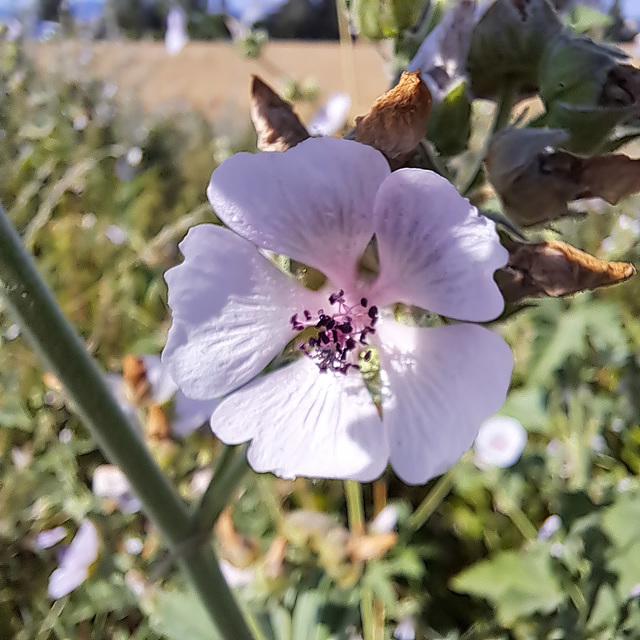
(379, 19)
(450, 121)
(397, 120)
(587, 90)
(536, 183)
(507, 44)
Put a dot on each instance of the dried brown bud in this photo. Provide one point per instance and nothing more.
(554, 268)
(134, 373)
(239, 550)
(277, 125)
(369, 547)
(398, 119)
(158, 427)
(536, 184)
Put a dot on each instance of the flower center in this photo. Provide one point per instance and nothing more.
(339, 337)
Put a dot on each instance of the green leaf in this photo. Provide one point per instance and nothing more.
(518, 584)
(179, 616)
(306, 615)
(527, 405)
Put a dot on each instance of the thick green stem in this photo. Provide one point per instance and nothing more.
(32, 303)
(231, 468)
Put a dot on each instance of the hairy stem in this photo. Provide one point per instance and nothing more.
(51, 335)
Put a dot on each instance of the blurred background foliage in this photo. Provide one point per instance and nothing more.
(101, 193)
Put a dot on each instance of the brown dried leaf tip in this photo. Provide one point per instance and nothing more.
(398, 119)
(555, 268)
(276, 123)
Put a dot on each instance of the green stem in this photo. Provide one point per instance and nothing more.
(33, 304)
(431, 501)
(355, 512)
(501, 119)
(231, 468)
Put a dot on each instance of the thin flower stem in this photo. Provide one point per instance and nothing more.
(51, 335)
(431, 501)
(231, 468)
(355, 507)
(500, 120)
(355, 513)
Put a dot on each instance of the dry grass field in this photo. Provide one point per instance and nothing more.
(213, 78)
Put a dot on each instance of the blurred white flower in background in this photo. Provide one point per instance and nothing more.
(331, 116)
(385, 521)
(117, 235)
(235, 577)
(550, 526)
(406, 630)
(176, 36)
(76, 561)
(499, 442)
(109, 482)
(49, 538)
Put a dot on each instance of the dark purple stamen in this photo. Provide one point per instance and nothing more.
(340, 335)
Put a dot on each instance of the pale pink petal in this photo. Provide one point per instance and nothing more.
(231, 310)
(436, 252)
(306, 423)
(313, 203)
(189, 414)
(438, 386)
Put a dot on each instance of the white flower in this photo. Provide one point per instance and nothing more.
(77, 559)
(406, 630)
(117, 235)
(550, 526)
(49, 538)
(331, 116)
(176, 36)
(109, 482)
(500, 442)
(320, 203)
(385, 521)
(236, 577)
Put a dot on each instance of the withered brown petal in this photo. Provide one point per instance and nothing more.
(554, 268)
(370, 547)
(276, 123)
(398, 119)
(157, 424)
(134, 373)
(611, 177)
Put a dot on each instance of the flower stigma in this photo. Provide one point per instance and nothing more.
(341, 337)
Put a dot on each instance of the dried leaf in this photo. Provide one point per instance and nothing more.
(277, 125)
(370, 547)
(158, 427)
(611, 177)
(134, 373)
(239, 550)
(555, 268)
(274, 558)
(398, 119)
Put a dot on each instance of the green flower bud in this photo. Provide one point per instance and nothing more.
(450, 122)
(378, 19)
(587, 90)
(507, 44)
